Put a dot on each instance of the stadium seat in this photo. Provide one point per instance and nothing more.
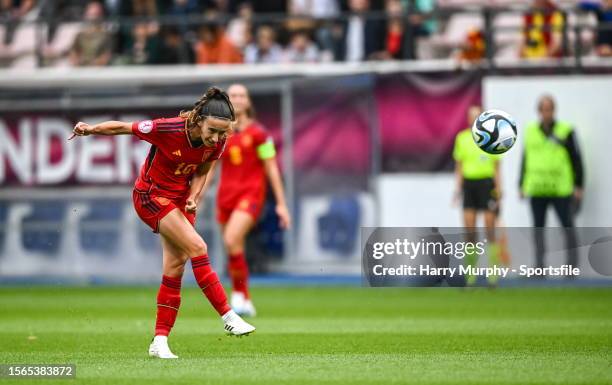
(4, 50)
(339, 227)
(508, 35)
(27, 61)
(100, 230)
(147, 240)
(24, 40)
(269, 234)
(588, 34)
(4, 208)
(41, 228)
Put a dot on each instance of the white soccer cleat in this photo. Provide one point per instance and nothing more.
(241, 305)
(248, 310)
(159, 348)
(237, 301)
(235, 325)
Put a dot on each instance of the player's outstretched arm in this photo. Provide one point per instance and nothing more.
(276, 182)
(111, 127)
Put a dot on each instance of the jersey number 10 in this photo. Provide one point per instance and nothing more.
(185, 169)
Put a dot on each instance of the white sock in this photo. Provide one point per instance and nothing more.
(160, 339)
(228, 316)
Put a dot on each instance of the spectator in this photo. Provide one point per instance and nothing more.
(12, 12)
(138, 8)
(265, 49)
(361, 36)
(114, 7)
(183, 7)
(270, 6)
(473, 49)
(92, 46)
(321, 14)
(543, 27)
(15, 10)
(423, 25)
(213, 45)
(318, 9)
(223, 6)
(301, 49)
(173, 49)
(603, 11)
(394, 41)
(552, 174)
(239, 28)
(144, 46)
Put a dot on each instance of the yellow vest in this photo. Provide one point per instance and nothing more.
(548, 166)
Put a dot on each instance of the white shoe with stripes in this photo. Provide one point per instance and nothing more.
(159, 348)
(235, 325)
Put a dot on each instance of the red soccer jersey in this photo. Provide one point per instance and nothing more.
(242, 170)
(173, 157)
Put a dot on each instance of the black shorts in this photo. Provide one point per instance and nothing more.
(479, 194)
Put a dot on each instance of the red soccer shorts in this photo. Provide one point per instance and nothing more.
(247, 203)
(152, 208)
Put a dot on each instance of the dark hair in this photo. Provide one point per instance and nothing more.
(214, 103)
(546, 98)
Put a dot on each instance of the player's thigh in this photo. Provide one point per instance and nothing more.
(173, 258)
(180, 232)
(237, 227)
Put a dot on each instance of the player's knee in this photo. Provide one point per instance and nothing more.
(196, 246)
(232, 241)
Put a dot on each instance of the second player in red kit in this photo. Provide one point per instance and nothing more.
(249, 158)
(243, 182)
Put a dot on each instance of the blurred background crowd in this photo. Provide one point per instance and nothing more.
(147, 32)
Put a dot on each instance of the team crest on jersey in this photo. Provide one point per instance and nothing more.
(145, 126)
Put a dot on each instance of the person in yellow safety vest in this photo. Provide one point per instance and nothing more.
(552, 174)
(478, 182)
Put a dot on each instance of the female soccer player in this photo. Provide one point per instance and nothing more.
(183, 150)
(249, 158)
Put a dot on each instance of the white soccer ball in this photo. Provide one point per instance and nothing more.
(494, 131)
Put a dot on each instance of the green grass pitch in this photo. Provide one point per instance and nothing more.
(319, 336)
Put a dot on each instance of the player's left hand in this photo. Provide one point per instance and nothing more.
(283, 215)
(191, 205)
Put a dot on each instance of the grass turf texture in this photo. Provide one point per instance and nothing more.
(319, 336)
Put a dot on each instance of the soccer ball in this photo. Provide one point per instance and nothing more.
(494, 131)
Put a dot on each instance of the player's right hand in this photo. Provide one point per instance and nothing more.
(82, 129)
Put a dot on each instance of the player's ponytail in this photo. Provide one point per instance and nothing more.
(214, 103)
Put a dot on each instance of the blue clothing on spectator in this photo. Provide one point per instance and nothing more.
(604, 17)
